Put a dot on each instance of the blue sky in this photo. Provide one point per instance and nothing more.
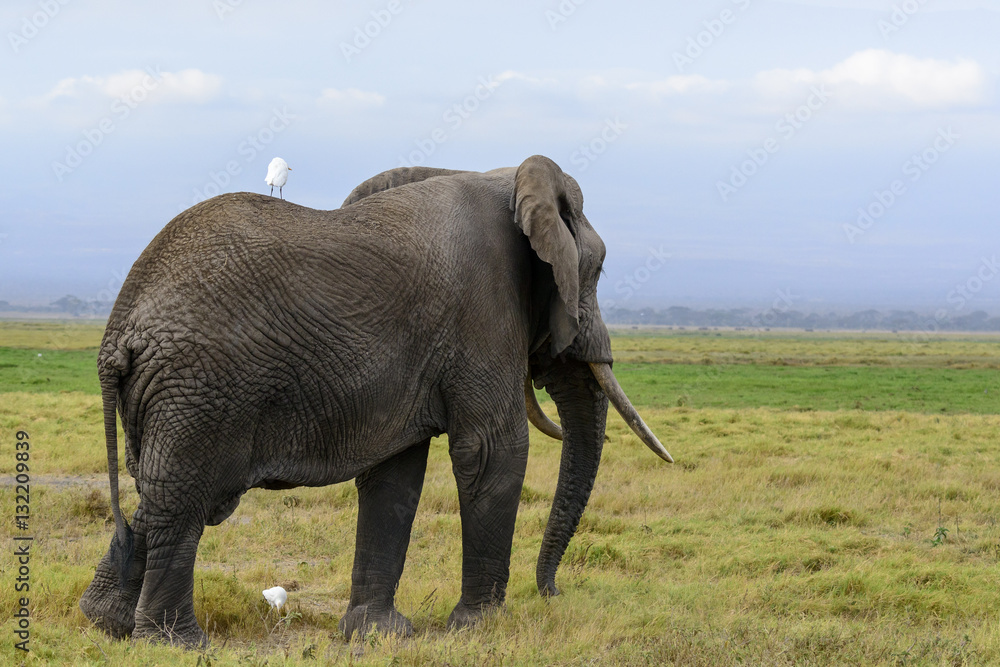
(727, 149)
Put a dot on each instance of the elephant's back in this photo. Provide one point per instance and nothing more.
(282, 278)
(227, 248)
(199, 242)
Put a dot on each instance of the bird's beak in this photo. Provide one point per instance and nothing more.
(289, 169)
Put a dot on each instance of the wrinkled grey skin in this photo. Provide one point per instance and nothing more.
(257, 343)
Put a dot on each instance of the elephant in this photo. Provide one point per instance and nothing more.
(260, 344)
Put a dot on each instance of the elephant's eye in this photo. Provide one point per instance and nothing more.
(567, 219)
(566, 213)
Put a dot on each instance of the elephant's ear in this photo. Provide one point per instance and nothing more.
(393, 179)
(543, 211)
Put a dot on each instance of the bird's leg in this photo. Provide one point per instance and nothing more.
(272, 190)
(280, 191)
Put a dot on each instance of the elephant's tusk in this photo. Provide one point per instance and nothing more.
(540, 420)
(615, 394)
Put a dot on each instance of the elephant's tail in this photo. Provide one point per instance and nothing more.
(123, 543)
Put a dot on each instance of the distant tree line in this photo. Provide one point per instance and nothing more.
(893, 320)
(68, 305)
(676, 316)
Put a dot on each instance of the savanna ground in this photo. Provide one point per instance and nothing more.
(834, 501)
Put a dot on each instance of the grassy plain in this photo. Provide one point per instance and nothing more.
(835, 501)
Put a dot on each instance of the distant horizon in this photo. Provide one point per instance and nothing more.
(991, 308)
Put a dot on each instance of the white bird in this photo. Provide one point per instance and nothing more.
(277, 175)
(276, 597)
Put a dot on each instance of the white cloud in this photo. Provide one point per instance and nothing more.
(877, 78)
(188, 85)
(350, 98)
(679, 85)
(873, 79)
(511, 75)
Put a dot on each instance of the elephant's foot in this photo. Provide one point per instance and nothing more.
(364, 618)
(110, 613)
(106, 603)
(466, 615)
(180, 632)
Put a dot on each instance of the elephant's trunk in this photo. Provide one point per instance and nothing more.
(583, 410)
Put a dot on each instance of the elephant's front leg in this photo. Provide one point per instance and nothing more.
(490, 472)
(106, 603)
(387, 502)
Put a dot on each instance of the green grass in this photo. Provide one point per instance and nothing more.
(817, 381)
(45, 370)
(783, 535)
(934, 390)
(788, 348)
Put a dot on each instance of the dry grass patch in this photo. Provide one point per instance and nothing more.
(771, 546)
(52, 334)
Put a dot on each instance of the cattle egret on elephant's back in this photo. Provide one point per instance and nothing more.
(277, 175)
(276, 597)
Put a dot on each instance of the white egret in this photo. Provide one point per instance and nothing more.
(276, 597)
(277, 175)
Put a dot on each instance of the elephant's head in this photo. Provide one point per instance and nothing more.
(571, 349)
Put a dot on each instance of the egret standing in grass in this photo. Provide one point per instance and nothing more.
(276, 596)
(277, 175)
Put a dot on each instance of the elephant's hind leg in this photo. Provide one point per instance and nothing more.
(106, 603)
(166, 605)
(387, 502)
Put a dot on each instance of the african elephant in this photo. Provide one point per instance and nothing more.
(257, 343)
